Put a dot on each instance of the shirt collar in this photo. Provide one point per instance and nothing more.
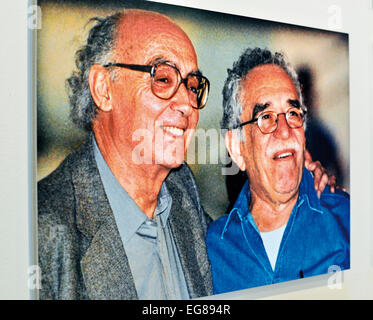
(308, 194)
(128, 216)
(164, 202)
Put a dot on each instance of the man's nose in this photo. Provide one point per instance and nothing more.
(283, 130)
(181, 101)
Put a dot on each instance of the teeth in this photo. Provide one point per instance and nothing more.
(284, 155)
(175, 131)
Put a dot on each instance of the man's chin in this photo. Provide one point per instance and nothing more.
(286, 190)
(171, 163)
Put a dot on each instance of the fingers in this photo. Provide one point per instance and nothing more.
(317, 171)
(323, 182)
(307, 156)
(332, 182)
(321, 178)
(341, 188)
(310, 166)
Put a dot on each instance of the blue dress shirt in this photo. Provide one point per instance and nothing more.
(316, 237)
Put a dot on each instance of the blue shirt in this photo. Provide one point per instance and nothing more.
(148, 243)
(316, 237)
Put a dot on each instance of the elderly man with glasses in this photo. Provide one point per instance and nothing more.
(121, 217)
(279, 229)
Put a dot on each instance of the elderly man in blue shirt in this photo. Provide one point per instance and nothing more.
(280, 227)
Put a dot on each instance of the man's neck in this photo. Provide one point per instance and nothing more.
(142, 182)
(270, 214)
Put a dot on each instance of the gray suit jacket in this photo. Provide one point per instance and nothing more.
(81, 254)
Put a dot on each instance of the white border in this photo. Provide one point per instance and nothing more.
(14, 152)
(16, 176)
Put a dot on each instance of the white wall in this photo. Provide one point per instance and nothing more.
(14, 153)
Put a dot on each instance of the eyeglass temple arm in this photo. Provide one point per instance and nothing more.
(135, 67)
(243, 124)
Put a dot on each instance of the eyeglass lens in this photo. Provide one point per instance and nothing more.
(167, 79)
(267, 121)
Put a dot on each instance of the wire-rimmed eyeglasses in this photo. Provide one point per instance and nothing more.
(166, 79)
(268, 120)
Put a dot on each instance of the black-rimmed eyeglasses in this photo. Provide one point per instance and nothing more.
(166, 79)
(267, 121)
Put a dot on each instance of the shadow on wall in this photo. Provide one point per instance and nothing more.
(319, 141)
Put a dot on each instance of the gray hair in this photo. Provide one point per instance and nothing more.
(249, 59)
(97, 50)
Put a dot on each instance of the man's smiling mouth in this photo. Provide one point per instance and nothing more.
(173, 130)
(283, 154)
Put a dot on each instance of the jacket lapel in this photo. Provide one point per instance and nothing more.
(105, 267)
(189, 238)
(104, 264)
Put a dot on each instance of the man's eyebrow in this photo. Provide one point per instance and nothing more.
(259, 108)
(294, 103)
(157, 60)
(196, 72)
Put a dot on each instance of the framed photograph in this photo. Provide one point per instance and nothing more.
(323, 50)
(317, 62)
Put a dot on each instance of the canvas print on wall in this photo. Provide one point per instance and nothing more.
(184, 153)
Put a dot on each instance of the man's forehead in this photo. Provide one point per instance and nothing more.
(268, 75)
(143, 37)
(265, 80)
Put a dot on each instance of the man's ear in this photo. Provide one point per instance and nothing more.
(99, 85)
(233, 145)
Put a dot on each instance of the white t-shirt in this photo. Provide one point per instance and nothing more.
(272, 241)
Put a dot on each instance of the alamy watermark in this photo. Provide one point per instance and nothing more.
(336, 277)
(335, 17)
(206, 146)
(34, 17)
(34, 277)
(34, 271)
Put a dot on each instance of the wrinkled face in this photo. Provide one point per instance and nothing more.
(274, 162)
(152, 129)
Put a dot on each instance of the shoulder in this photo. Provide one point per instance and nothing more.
(337, 207)
(337, 204)
(56, 204)
(339, 199)
(332, 204)
(58, 235)
(56, 191)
